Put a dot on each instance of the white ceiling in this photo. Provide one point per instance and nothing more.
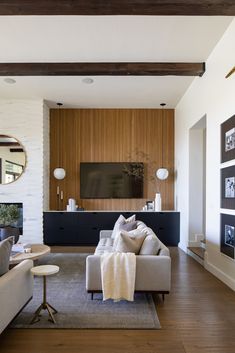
(106, 38)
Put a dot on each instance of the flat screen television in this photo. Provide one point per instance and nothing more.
(121, 180)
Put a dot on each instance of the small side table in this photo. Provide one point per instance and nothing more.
(38, 251)
(44, 270)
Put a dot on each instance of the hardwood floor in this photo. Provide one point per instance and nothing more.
(197, 316)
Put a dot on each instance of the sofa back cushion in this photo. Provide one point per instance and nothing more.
(5, 252)
(129, 241)
(123, 224)
(151, 244)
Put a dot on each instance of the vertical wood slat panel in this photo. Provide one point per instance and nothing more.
(112, 135)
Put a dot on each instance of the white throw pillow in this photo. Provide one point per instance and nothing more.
(121, 221)
(129, 241)
(151, 244)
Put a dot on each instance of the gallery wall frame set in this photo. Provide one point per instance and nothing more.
(227, 188)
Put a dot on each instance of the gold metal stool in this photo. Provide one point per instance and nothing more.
(44, 270)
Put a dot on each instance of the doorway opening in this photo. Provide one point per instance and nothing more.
(197, 189)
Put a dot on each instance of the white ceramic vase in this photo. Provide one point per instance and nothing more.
(158, 202)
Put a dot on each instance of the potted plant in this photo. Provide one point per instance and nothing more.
(9, 214)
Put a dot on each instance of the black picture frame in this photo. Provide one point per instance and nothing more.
(228, 140)
(227, 187)
(227, 234)
(150, 205)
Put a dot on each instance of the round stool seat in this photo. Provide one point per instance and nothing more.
(45, 270)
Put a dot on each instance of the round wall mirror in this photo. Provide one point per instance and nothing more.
(12, 159)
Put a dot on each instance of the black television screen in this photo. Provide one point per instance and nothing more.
(111, 180)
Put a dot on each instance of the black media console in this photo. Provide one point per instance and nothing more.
(82, 228)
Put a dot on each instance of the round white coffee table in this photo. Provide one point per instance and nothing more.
(44, 271)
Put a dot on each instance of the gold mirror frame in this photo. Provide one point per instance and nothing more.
(11, 168)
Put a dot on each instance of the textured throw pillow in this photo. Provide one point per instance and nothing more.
(151, 244)
(5, 252)
(129, 241)
(120, 223)
(128, 227)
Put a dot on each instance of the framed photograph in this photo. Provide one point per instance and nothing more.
(228, 140)
(150, 205)
(227, 188)
(227, 234)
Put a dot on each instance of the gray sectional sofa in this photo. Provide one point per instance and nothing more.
(153, 272)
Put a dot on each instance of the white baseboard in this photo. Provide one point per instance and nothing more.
(229, 281)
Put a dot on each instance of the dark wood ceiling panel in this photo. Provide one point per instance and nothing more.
(119, 7)
(102, 69)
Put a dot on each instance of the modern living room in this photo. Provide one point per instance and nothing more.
(117, 174)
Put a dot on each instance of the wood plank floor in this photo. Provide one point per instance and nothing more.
(197, 316)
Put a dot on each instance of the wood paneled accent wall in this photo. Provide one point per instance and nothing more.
(112, 135)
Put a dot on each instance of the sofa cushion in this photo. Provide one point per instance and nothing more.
(132, 233)
(105, 242)
(121, 223)
(101, 251)
(5, 252)
(129, 241)
(141, 225)
(104, 245)
(151, 244)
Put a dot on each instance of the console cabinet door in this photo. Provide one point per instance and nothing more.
(60, 228)
(168, 228)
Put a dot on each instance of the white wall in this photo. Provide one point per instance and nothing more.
(27, 121)
(212, 95)
(46, 157)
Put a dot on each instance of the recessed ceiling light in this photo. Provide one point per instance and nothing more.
(9, 80)
(88, 80)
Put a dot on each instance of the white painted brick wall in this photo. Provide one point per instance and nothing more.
(27, 121)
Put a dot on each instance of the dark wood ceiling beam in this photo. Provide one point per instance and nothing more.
(119, 7)
(102, 69)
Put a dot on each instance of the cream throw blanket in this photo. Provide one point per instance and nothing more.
(118, 275)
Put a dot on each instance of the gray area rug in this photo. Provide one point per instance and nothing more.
(66, 292)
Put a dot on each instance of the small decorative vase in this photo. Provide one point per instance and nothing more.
(158, 202)
(7, 232)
